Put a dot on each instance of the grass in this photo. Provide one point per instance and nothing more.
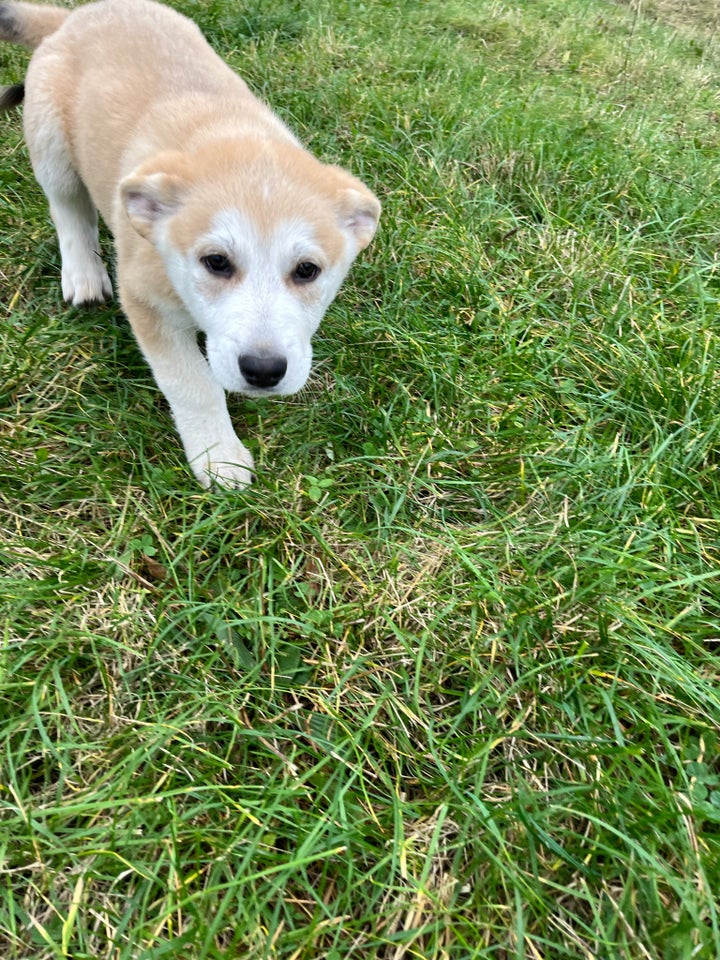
(444, 683)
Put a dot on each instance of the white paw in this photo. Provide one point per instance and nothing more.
(230, 466)
(89, 284)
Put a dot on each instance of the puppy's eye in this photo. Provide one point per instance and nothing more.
(217, 264)
(306, 272)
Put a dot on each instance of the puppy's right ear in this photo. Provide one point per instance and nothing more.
(149, 196)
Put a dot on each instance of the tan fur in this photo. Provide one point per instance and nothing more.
(129, 111)
(29, 24)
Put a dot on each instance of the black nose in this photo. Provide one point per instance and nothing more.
(262, 371)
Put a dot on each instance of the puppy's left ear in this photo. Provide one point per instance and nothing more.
(153, 192)
(359, 211)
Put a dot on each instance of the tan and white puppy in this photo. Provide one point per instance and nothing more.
(223, 223)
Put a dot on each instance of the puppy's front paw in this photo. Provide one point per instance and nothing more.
(224, 466)
(86, 284)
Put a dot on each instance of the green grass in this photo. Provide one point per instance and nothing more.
(444, 683)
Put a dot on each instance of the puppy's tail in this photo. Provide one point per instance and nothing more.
(11, 96)
(29, 23)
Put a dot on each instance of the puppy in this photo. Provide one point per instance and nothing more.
(223, 223)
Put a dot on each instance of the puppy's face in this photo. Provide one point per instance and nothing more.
(256, 245)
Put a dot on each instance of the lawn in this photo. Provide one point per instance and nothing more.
(443, 684)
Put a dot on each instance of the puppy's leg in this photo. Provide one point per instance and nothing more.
(196, 399)
(84, 277)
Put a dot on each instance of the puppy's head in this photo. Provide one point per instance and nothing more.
(256, 239)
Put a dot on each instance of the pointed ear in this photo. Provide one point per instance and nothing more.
(150, 197)
(359, 211)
